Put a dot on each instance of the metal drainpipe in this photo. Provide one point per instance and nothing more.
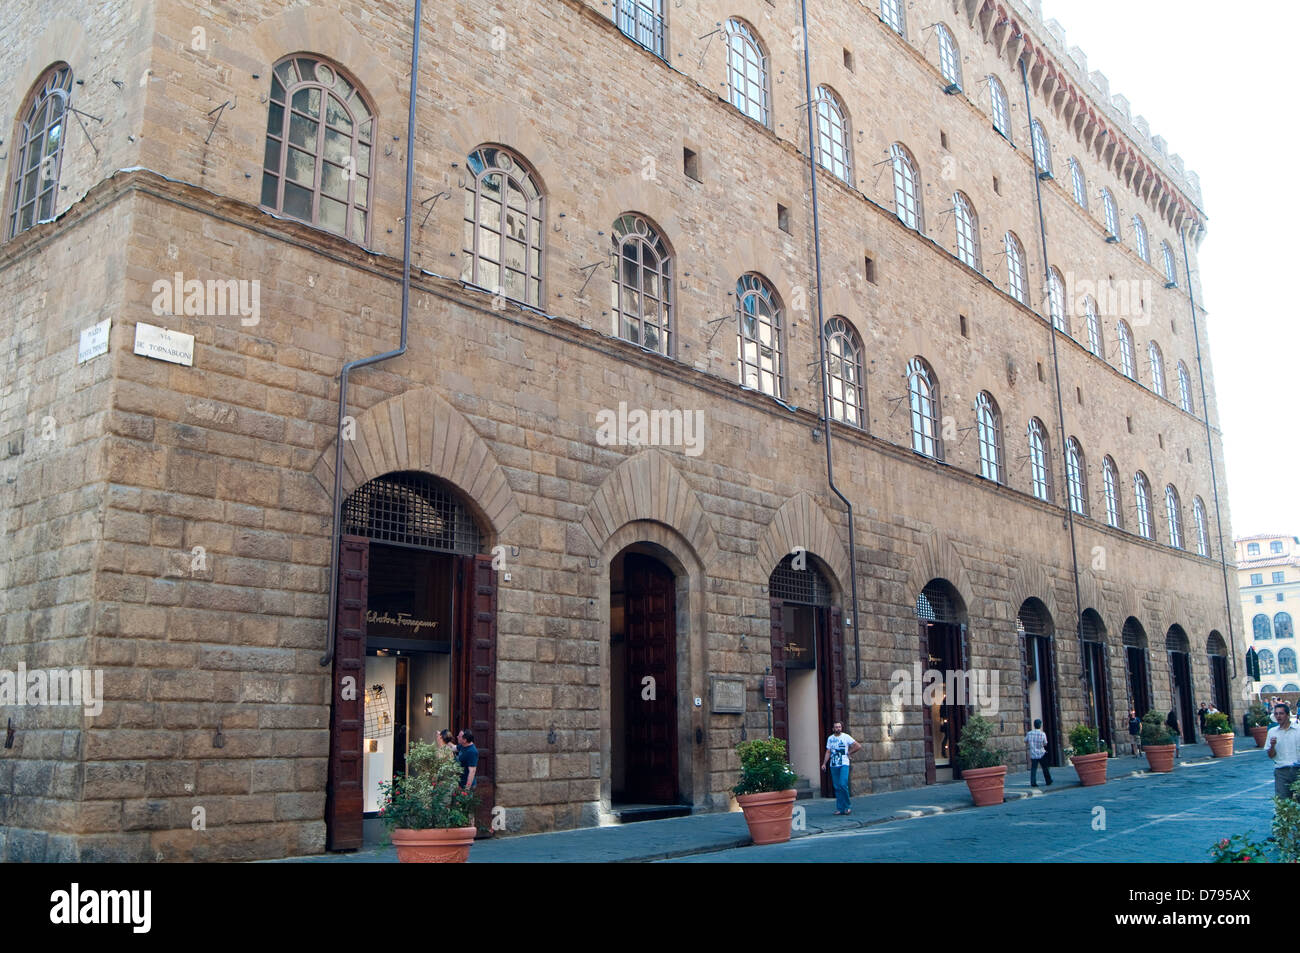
(1209, 445)
(821, 348)
(1056, 372)
(336, 538)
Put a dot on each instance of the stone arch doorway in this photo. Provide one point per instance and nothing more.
(1037, 651)
(1096, 675)
(1220, 691)
(941, 621)
(415, 646)
(807, 663)
(1137, 660)
(1180, 681)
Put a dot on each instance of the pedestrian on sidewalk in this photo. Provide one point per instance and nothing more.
(1135, 731)
(1171, 722)
(1037, 742)
(467, 755)
(1201, 712)
(839, 746)
(1284, 749)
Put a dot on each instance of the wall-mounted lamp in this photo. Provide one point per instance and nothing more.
(428, 705)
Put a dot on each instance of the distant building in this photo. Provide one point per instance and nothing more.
(1268, 575)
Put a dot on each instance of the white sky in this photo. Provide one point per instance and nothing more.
(1215, 80)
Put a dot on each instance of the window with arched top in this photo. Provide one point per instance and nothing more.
(36, 155)
(1185, 389)
(1056, 300)
(1262, 627)
(833, 147)
(503, 226)
(1076, 476)
(1110, 483)
(968, 230)
(1202, 527)
(923, 395)
(1267, 664)
(641, 293)
(1282, 626)
(1286, 661)
(1174, 514)
(844, 373)
(1093, 323)
(988, 421)
(747, 72)
(1171, 269)
(1001, 107)
(949, 57)
(760, 341)
(1017, 279)
(891, 11)
(1142, 497)
(1112, 213)
(1157, 368)
(907, 187)
(1140, 236)
(1040, 466)
(643, 22)
(319, 159)
(1127, 357)
(1078, 184)
(1042, 149)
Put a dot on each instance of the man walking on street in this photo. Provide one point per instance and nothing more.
(1135, 730)
(1171, 722)
(1284, 748)
(467, 755)
(1037, 742)
(838, 748)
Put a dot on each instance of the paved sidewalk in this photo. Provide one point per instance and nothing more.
(705, 833)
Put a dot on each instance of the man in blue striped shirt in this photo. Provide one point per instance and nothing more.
(1037, 742)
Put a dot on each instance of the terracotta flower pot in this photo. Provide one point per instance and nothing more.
(1160, 758)
(768, 815)
(1259, 733)
(1091, 767)
(986, 784)
(1221, 745)
(437, 845)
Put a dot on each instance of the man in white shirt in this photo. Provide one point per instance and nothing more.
(838, 748)
(1284, 748)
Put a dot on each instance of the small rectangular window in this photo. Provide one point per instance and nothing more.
(1040, 371)
(1173, 325)
(1078, 394)
(782, 217)
(1279, 578)
(1259, 599)
(848, 60)
(1129, 421)
(943, 138)
(1161, 438)
(869, 269)
(964, 331)
(1189, 454)
(1281, 597)
(691, 164)
(997, 186)
(1257, 579)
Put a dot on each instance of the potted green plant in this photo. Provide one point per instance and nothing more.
(1257, 718)
(766, 789)
(1157, 742)
(429, 815)
(1218, 732)
(1087, 756)
(982, 766)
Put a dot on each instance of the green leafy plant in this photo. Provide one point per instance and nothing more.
(1083, 740)
(1154, 730)
(1216, 723)
(973, 748)
(1257, 715)
(1286, 826)
(1240, 849)
(430, 795)
(763, 767)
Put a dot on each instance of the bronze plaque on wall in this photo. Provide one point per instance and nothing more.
(727, 695)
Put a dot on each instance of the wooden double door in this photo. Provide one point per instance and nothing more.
(827, 632)
(649, 707)
(943, 648)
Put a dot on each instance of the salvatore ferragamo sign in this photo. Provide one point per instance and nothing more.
(404, 622)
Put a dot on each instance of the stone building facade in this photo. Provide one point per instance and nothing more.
(172, 524)
(1268, 585)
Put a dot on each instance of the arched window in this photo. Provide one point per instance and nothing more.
(642, 290)
(1110, 480)
(907, 187)
(1056, 300)
(1267, 665)
(988, 421)
(1286, 661)
(1140, 234)
(1202, 527)
(1282, 626)
(844, 372)
(1174, 513)
(643, 21)
(1017, 280)
(1262, 627)
(760, 341)
(923, 392)
(1185, 389)
(747, 80)
(1112, 213)
(1040, 467)
(319, 148)
(503, 226)
(1042, 150)
(968, 230)
(37, 156)
(1171, 269)
(1001, 107)
(1157, 368)
(1076, 476)
(1127, 358)
(1078, 183)
(949, 58)
(833, 135)
(1142, 496)
(891, 11)
(1095, 343)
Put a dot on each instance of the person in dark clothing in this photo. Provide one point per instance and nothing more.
(467, 755)
(1172, 722)
(1201, 712)
(1135, 731)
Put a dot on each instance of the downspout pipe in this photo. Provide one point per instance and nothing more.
(821, 347)
(1209, 446)
(350, 366)
(1056, 374)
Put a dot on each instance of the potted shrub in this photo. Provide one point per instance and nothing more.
(766, 789)
(1218, 732)
(1157, 742)
(1086, 756)
(982, 766)
(430, 817)
(1257, 718)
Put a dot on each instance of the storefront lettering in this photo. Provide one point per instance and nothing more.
(402, 619)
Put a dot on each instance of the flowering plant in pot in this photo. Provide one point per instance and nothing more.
(1157, 742)
(430, 817)
(766, 789)
(1218, 732)
(1257, 718)
(983, 767)
(1087, 756)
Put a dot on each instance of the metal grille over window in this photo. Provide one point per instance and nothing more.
(804, 586)
(934, 605)
(411, 509)
(1090, 628)
(1031, 621)
(1133, 635)
(379, 714)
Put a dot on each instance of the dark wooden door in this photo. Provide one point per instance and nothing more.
(1180, 666)
(1040, 667)
(1139, 681)
(831, 689)
(780, 707)
(1098, 691)
(650, 619)
(344, 796)
(475, 660)
(1219, 682)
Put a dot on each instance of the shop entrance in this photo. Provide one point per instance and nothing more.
(1139, 668)
(1180, 673)
(941, 619)
(1219, 683)
(1036, 632)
